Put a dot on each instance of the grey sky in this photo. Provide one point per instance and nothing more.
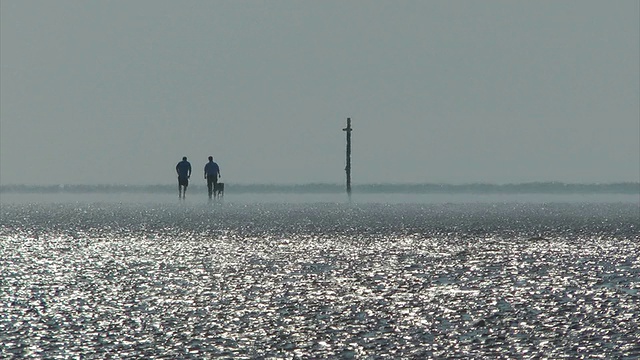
(106, 92)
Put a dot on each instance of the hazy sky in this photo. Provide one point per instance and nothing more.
(116, 92)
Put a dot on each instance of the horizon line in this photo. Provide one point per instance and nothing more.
(319, 187)
(310, 183)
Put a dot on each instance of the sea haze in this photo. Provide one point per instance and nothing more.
(327, 188)
(533, 192)
(169, 279)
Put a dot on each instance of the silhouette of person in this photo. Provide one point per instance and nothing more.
(184, 173)
(211, 174)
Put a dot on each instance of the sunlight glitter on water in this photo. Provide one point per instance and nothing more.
(320, 280)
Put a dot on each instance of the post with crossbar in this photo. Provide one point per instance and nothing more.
(348, 167)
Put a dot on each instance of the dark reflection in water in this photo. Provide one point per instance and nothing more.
(320, 281)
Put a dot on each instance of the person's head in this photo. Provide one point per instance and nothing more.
(210, 158)
(184, 158)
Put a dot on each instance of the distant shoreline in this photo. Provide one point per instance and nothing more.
(326, 188)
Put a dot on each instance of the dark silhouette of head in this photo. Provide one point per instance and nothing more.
(210, 158)
(184, 158)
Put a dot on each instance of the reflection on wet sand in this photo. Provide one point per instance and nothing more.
(320, 280)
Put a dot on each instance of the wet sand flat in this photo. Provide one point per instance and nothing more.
(319, 280)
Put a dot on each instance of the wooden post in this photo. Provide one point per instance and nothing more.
(348, 167)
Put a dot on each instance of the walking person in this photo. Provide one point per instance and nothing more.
(184, 173)
(211, 174)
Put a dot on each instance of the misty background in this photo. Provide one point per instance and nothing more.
(116, 92)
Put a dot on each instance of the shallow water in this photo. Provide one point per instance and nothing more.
(319, 280)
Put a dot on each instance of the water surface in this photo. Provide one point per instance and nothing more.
(308, 279)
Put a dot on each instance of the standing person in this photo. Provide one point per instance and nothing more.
(211, 174)
(184, 173)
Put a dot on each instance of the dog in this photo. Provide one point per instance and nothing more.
(218, 190)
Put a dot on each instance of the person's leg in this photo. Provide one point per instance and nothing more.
(209, 186)
(215, 186)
